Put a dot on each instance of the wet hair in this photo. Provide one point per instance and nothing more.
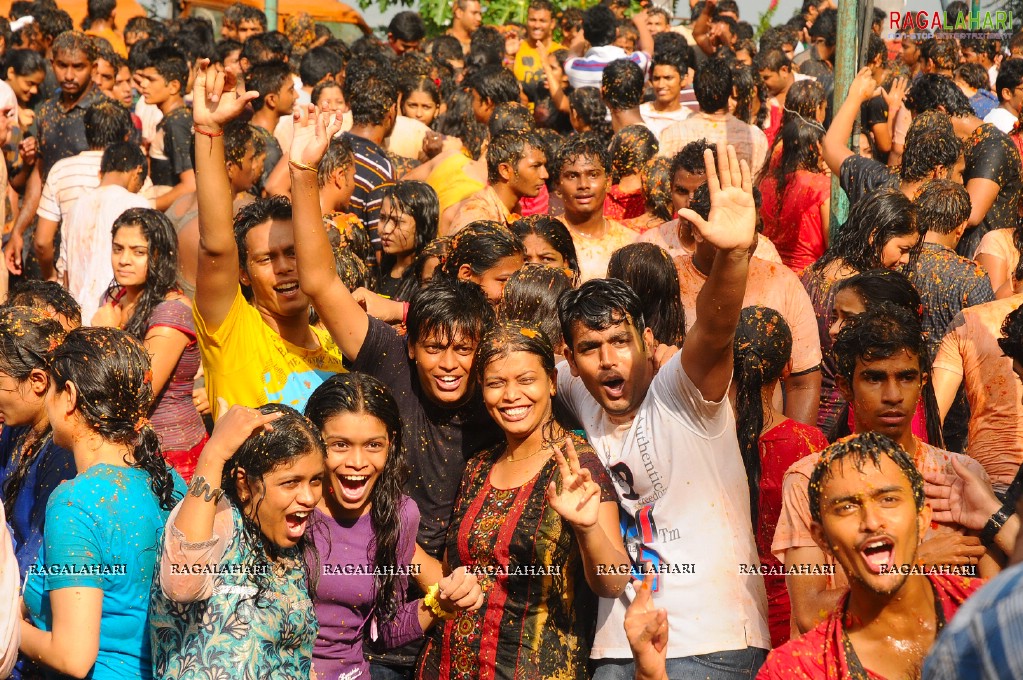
(358, 393)
(124, 157)
(631, 148)
(747, 85)
(292, 437)
(712, 85)
(240, 140)
(676, 59)
(224, 48)
(510, 148)
(69, 42)
(161, 268)
(667, 42)
(337, 158)
(407, 26)
(600, 26)
(800, 150)
(437, 248)
(861, 449)
(656, 176)
(170, 64)
(419, 201)
(510, 117)
(106, 123)
(942, 205)
(974, 75)
(24, 62)
(531, 296)
(1010, 76)
(690, 159)
(481, 245)
(266, 78)
(803, 98)
(773, 59)
(944, 53)
(112, 373)
(930, 142)
(421, 84)
(1011, 342)
(826, 26)
(26, 337)
(621, 85)
(554, 233)
(599, 304)
(370, 98)
(931, 90)
(761, 350)
(320, 88)
(44, 296)
(445, 47)
(651, 274)
(254, 214)
(506, 337)
(267, 46)
(459, 121)
(318, 63)
(585, 145)
(447, 307)
(494, 84)
(591, 110)
(873, 221)
(486, 48)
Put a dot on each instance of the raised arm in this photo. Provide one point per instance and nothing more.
(646, 39)
(836, 142)
(701, 28)
(731, 229)
(342, 316)
(215, 102)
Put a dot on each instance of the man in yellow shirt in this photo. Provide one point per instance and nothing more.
(263, 349)
(539, 28)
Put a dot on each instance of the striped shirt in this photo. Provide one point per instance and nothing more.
(68, 179)
(372, 171)
(588, 70)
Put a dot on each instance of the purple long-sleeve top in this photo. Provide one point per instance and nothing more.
(345, 592)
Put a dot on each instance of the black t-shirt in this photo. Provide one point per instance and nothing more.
(438, 440)
(176, 131)
(874, 112)
(859, 176)
(990, 154)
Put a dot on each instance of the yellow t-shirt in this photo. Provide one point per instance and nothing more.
(247, 363)
(451, 182)
(527, 62)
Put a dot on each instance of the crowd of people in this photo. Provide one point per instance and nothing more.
(530, 351)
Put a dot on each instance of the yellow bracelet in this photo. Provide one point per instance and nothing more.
(303, 166)
(430, 602)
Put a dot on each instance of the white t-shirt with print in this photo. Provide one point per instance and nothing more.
(685, 507)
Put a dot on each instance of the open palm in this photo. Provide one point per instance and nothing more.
(732, 222)
(578, 499)
(313, 131)
(215, 99)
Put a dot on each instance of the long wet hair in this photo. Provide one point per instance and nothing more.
(762, 349)
(878, 287)
(292, 437)
(875, 219)
(161, 268)
(419, 201)
(359, 393)
(800, 151)
(112, 372)
(531, 296)
(481, 245)
(26, 337)
(554, 233)
(651, 273)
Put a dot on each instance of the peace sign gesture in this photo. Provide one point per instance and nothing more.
(578, 499)
(215, 100)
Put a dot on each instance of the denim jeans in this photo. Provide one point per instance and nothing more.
(381, 672)
(736, 664)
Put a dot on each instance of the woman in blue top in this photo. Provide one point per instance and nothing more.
(88, 595)
(31, 465)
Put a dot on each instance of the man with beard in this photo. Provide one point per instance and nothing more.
(867, 501)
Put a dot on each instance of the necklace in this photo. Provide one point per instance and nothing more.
(603, 230)
(516, 460)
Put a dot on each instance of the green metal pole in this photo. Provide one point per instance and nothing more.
(270, 9)
(845, 70)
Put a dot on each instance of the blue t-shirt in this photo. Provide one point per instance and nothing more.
(103, 530)
(50, 466)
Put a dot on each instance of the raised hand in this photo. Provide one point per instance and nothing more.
(459, 591)
(215, 100)
(235, 425)
(647, 630)
(313, 131)
(962, 497)
(578, 500)
(732, 223)
(863, 85)
(894, 95)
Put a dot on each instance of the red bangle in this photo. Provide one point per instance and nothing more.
(404, 312)
(207, 133)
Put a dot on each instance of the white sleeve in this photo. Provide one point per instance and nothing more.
(674, 389)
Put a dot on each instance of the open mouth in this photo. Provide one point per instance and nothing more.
(287, 289)
(613, 387)
(448, 383)
(296, 523)
(353, 487)
(878, 553)
(514, 413)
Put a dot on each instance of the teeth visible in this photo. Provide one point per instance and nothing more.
(301, 515)
(877, 544)
(354, 478)
(449, 379)
(517, 411)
